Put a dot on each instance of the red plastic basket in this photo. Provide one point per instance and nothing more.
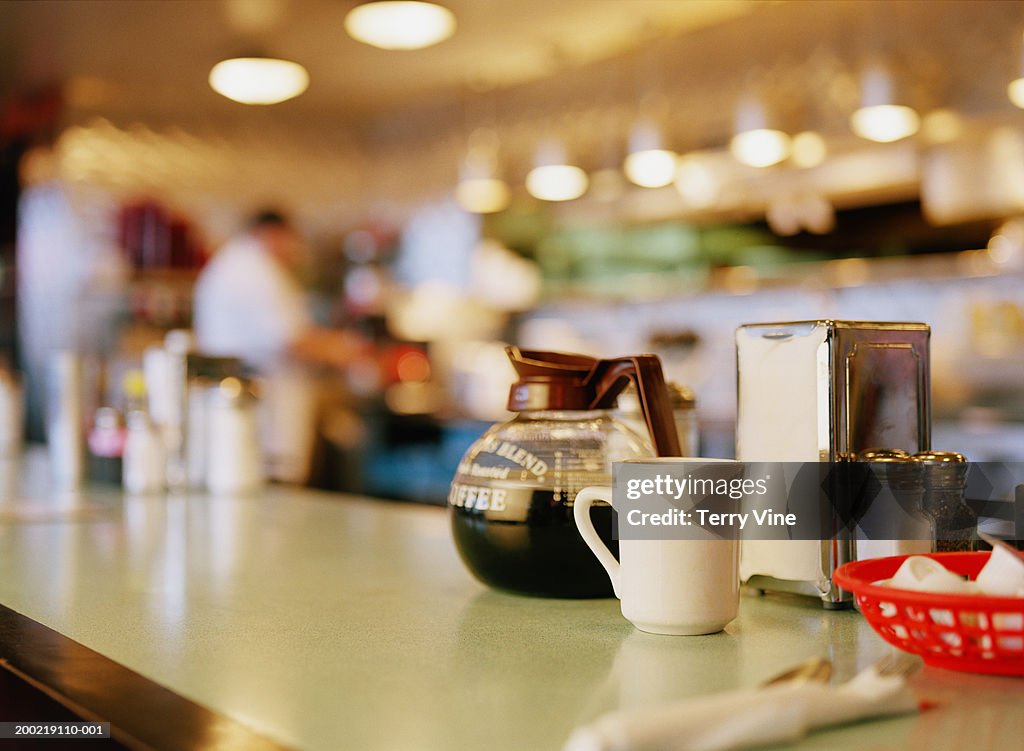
(971, 633)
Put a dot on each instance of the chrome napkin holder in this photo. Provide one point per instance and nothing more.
(824, 391)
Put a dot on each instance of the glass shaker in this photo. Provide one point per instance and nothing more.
(895, 522)
(235, 461)
(945, 477)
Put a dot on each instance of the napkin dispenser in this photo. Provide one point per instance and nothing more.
(825, 390)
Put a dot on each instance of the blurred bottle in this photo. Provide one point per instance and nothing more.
(106, 445)
(166, 378)
(143, 466)
(143, 462)
(11, 413)
(177, 344)
(234, 460)
(204, 375)
(64, 433)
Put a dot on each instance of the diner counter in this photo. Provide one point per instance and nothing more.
(322, 621)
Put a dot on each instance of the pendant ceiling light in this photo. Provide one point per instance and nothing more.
(258, 80)
(756, 143)
(808, 149)
(480, 189)
(1015, 90)
(648, 164)
(553, 178)
(881, 116)
(400, 24)
(697, 181)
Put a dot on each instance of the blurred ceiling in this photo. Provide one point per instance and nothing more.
(396, 125)
(149, 59)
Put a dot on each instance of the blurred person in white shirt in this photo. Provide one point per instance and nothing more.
(247, 304)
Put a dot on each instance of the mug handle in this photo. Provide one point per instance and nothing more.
(581, 513)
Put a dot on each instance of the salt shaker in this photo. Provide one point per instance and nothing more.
(144, 457)
(945, 477)
(898, 508)
(235, 463)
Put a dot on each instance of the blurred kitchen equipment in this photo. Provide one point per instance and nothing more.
(106, 441)
(511, 498)
(684, 412)
(825, 390)
(12, 410)
(64, 416)
(177, 344)
(144, 462)
(945, 478)
(235, 461)
(204, 375)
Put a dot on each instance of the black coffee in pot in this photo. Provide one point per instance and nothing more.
(541, 555)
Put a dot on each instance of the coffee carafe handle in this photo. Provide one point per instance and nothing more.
(610, 377)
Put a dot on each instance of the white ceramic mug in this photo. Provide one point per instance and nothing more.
(680, 587)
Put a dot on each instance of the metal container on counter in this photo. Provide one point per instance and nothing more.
(235, 460)
(825, 390)
(205, 373)
(511, 499)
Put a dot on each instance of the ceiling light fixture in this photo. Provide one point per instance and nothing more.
(400, 24)
(809, 149)
(942, 125)
(258, 80)
(881, 117)
(697, 182)
(755, 143)
(480, 190)
(1015, 90)
(648, 164)
(553, 178)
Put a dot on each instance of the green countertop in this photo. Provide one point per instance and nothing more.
(329, 622)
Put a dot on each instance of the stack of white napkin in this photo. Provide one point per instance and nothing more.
(1002, 576)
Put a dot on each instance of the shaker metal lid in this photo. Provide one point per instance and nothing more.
(884, 455)
(940, 457)
(231, 390)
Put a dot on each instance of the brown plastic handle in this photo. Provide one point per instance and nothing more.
(610, 377)
(531, 363)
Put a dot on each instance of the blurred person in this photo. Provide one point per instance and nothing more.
(248, 304)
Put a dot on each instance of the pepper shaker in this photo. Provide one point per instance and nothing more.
(945, 477)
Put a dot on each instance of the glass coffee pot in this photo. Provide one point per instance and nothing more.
(511, 499)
